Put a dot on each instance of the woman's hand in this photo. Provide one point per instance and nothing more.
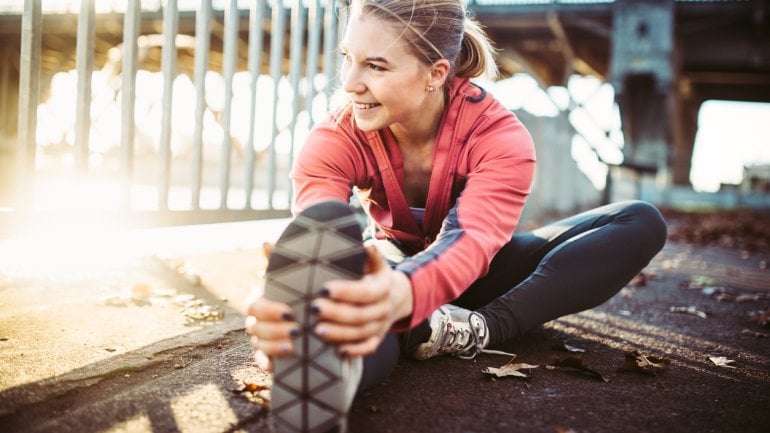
(357, 314)
(270, 324)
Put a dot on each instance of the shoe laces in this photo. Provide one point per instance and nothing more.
(464, 342)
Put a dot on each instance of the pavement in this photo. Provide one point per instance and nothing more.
(142, 332)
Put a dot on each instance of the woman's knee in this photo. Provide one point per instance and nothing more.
(649, 222)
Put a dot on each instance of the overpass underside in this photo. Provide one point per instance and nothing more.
(664, 58)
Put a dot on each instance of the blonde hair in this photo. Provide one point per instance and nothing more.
(434, 30)
(437, 29)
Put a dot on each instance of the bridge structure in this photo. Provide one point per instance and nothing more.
(664, 58)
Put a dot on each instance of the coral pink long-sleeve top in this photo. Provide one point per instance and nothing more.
(483, 164)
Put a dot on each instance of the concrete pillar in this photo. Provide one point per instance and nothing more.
(559, 187)
(642, 71)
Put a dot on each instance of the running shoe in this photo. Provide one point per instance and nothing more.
(313, 388)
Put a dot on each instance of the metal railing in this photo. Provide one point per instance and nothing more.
(262, 188)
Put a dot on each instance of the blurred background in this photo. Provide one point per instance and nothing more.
(146, 113)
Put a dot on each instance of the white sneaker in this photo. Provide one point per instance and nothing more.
(454, 331)
(314, 388)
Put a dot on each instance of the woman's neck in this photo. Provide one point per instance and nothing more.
(422, 131)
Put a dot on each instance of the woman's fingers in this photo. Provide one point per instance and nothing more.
(336, 333)
(272, 330)
(273, 347)
(350, 314)
(264, 309)
(263, 361)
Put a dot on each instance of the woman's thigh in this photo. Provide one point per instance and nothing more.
(520, 257)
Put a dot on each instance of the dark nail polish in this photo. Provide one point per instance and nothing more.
(314, 309)
(294, 332)
(287, 316)
(344, 354)
(324, 292)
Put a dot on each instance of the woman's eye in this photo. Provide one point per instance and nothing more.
(376, 67)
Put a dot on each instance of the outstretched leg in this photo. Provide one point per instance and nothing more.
(565, 267)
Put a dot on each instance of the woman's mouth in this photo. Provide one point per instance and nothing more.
(360, 107)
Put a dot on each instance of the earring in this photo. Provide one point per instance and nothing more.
(431, 88)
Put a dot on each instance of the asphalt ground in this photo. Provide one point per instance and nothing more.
(152, 341)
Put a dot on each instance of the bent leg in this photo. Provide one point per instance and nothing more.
(566, 267)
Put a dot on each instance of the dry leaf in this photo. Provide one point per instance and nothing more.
(573, 349)
(700, 281)
(640, 280)
(638, 363)
(141, 291)
(254, 387)
(721, 361)
(689, 310)
(761, 317)
(754, 334)
(576, 363)
(749, 297)
(509, 369)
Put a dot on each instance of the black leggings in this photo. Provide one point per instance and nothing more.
(563, 268)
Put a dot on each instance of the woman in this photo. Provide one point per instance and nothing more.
(442, 170)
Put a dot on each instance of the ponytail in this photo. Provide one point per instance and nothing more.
(477, 56)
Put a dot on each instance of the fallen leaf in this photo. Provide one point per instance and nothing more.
(254, 387)
(573, 349)
(635, 362)
(640, 280)
(700, 281)
(754, 334)
(689, 310)
(576, 363)
(724, 297)
(761, 317)
(141, 291)
(721, 361)
(509, 369)
(198, 310)
(258, 393)
(748, 297)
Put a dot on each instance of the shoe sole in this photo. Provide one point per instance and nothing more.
(323, 243)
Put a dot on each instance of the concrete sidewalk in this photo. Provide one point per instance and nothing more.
(153, 342)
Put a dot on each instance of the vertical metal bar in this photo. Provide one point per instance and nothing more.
(256, 36)
(85, 67)
(168, 66)
(29, 88)
(131, 23)
(330, 48)
(295, 65)
(342, 19)
(276, 60)
(229, 54)
(315, 23)
(5, 81)
(202, 47)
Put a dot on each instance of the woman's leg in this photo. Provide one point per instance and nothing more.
(379, 365)
(565, 267)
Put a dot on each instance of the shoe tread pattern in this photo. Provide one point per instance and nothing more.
(321, 244)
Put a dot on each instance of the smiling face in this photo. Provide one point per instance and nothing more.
(385, 82)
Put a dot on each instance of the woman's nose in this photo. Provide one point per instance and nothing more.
(351, 82)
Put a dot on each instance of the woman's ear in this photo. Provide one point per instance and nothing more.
(439, 72)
